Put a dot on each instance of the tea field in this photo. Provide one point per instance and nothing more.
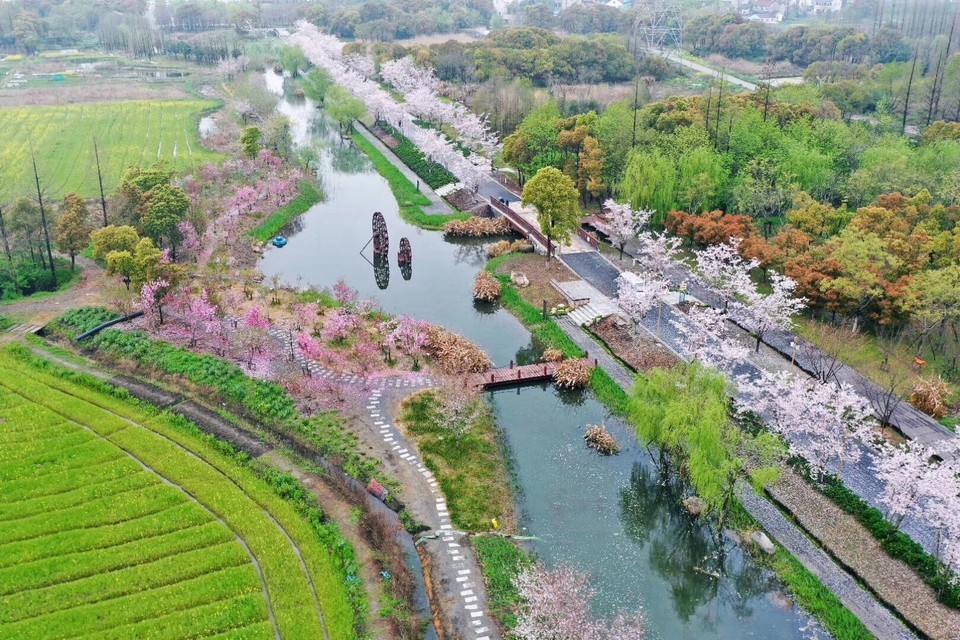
(138, 132)
(116, 524)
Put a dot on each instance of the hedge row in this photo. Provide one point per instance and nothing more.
(433, 174)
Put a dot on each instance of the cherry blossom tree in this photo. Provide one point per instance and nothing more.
(623, 223)
(409, 336)
(658, 250)
(306, 315)
(459, 406)
(637, 294)
(826, 424)
(722, 267)
(761, 313)
(345, 295)
(153, 295)
(190, 243)
(199, 316)
(706, 337)
(903, 469)
(256, 319)
(556, 604)
(339, 326)
(364, 356)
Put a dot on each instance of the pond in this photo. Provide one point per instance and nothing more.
(619, 518)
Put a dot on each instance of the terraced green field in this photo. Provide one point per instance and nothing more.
(128, 133)
(115, 525)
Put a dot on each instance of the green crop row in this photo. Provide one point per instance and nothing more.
(96, 513)
(167, 570)
(238, 496)
(77, 321)
(82, 495)
(136, 607)
(39, 466)
(433, 173)
(74, 566)
(232, 616)
(34, 449)
(28, 488)
(262, 400)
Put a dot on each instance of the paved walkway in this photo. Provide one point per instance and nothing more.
(437, 204)
(700, 68)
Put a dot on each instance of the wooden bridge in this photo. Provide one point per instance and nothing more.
(517, 375)
(532, 232)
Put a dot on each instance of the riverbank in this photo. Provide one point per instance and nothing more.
(411, 200)
(276, 221)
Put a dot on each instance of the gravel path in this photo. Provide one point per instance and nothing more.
(89, 290)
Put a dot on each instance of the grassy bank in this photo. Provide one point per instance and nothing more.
(472, 472)
(276, 221)
(501, 560)
(811, 594)
(408, 196)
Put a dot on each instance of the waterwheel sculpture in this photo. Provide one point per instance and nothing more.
(381, 239)
(405, 259)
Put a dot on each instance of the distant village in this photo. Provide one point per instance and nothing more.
(767, 11)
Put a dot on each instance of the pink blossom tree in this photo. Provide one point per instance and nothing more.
(153, 295)
(339, 326)
(190, 243)
(345, 295)
(409, 336)
(761, 313)
(306, 315)
(199, 317)
(364, 356)
(256, 319)
(637, 294)
(556, 605)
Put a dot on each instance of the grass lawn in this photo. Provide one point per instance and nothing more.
(138, 132)
(472, 473)
(408, 196)
(120, 521)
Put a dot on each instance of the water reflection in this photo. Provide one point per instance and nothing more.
(381, 270)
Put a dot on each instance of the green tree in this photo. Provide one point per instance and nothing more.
(556, 199)
(316, 83)
(344, 107)
(143, 264)
(650, 182)
(166, 207)
(686, 412)
(276, 135)
(250, 141)
(292, 60)
(73, 227)
(113, 238)
(534, 145)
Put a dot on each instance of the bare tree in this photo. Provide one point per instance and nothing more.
(832, 347)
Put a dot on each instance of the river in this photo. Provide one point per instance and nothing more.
(617, 518)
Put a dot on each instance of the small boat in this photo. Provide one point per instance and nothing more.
(279, 241)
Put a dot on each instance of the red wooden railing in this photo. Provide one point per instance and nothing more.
(518, 222)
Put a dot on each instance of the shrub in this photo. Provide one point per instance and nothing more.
(929, 395)
(477, 227)
(433, 174)
(572, 374)
(597, 437)
(455, 354)
(486, 288)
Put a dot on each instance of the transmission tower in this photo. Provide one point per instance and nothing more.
(657, 25)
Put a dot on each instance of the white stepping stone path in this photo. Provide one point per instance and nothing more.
(479, 621)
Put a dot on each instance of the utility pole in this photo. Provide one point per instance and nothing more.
(103, 198)
(43, 219)
(6, 243)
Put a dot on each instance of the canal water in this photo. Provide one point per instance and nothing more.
(617, 518)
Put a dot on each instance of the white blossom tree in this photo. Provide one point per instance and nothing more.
(638, 294)
(761, 313)
(623, 223)
(903, 469)
(555, 605)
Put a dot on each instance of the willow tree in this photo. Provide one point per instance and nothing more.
(650, 182)
(686, 412)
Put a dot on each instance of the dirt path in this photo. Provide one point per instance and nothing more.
(89, 290)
